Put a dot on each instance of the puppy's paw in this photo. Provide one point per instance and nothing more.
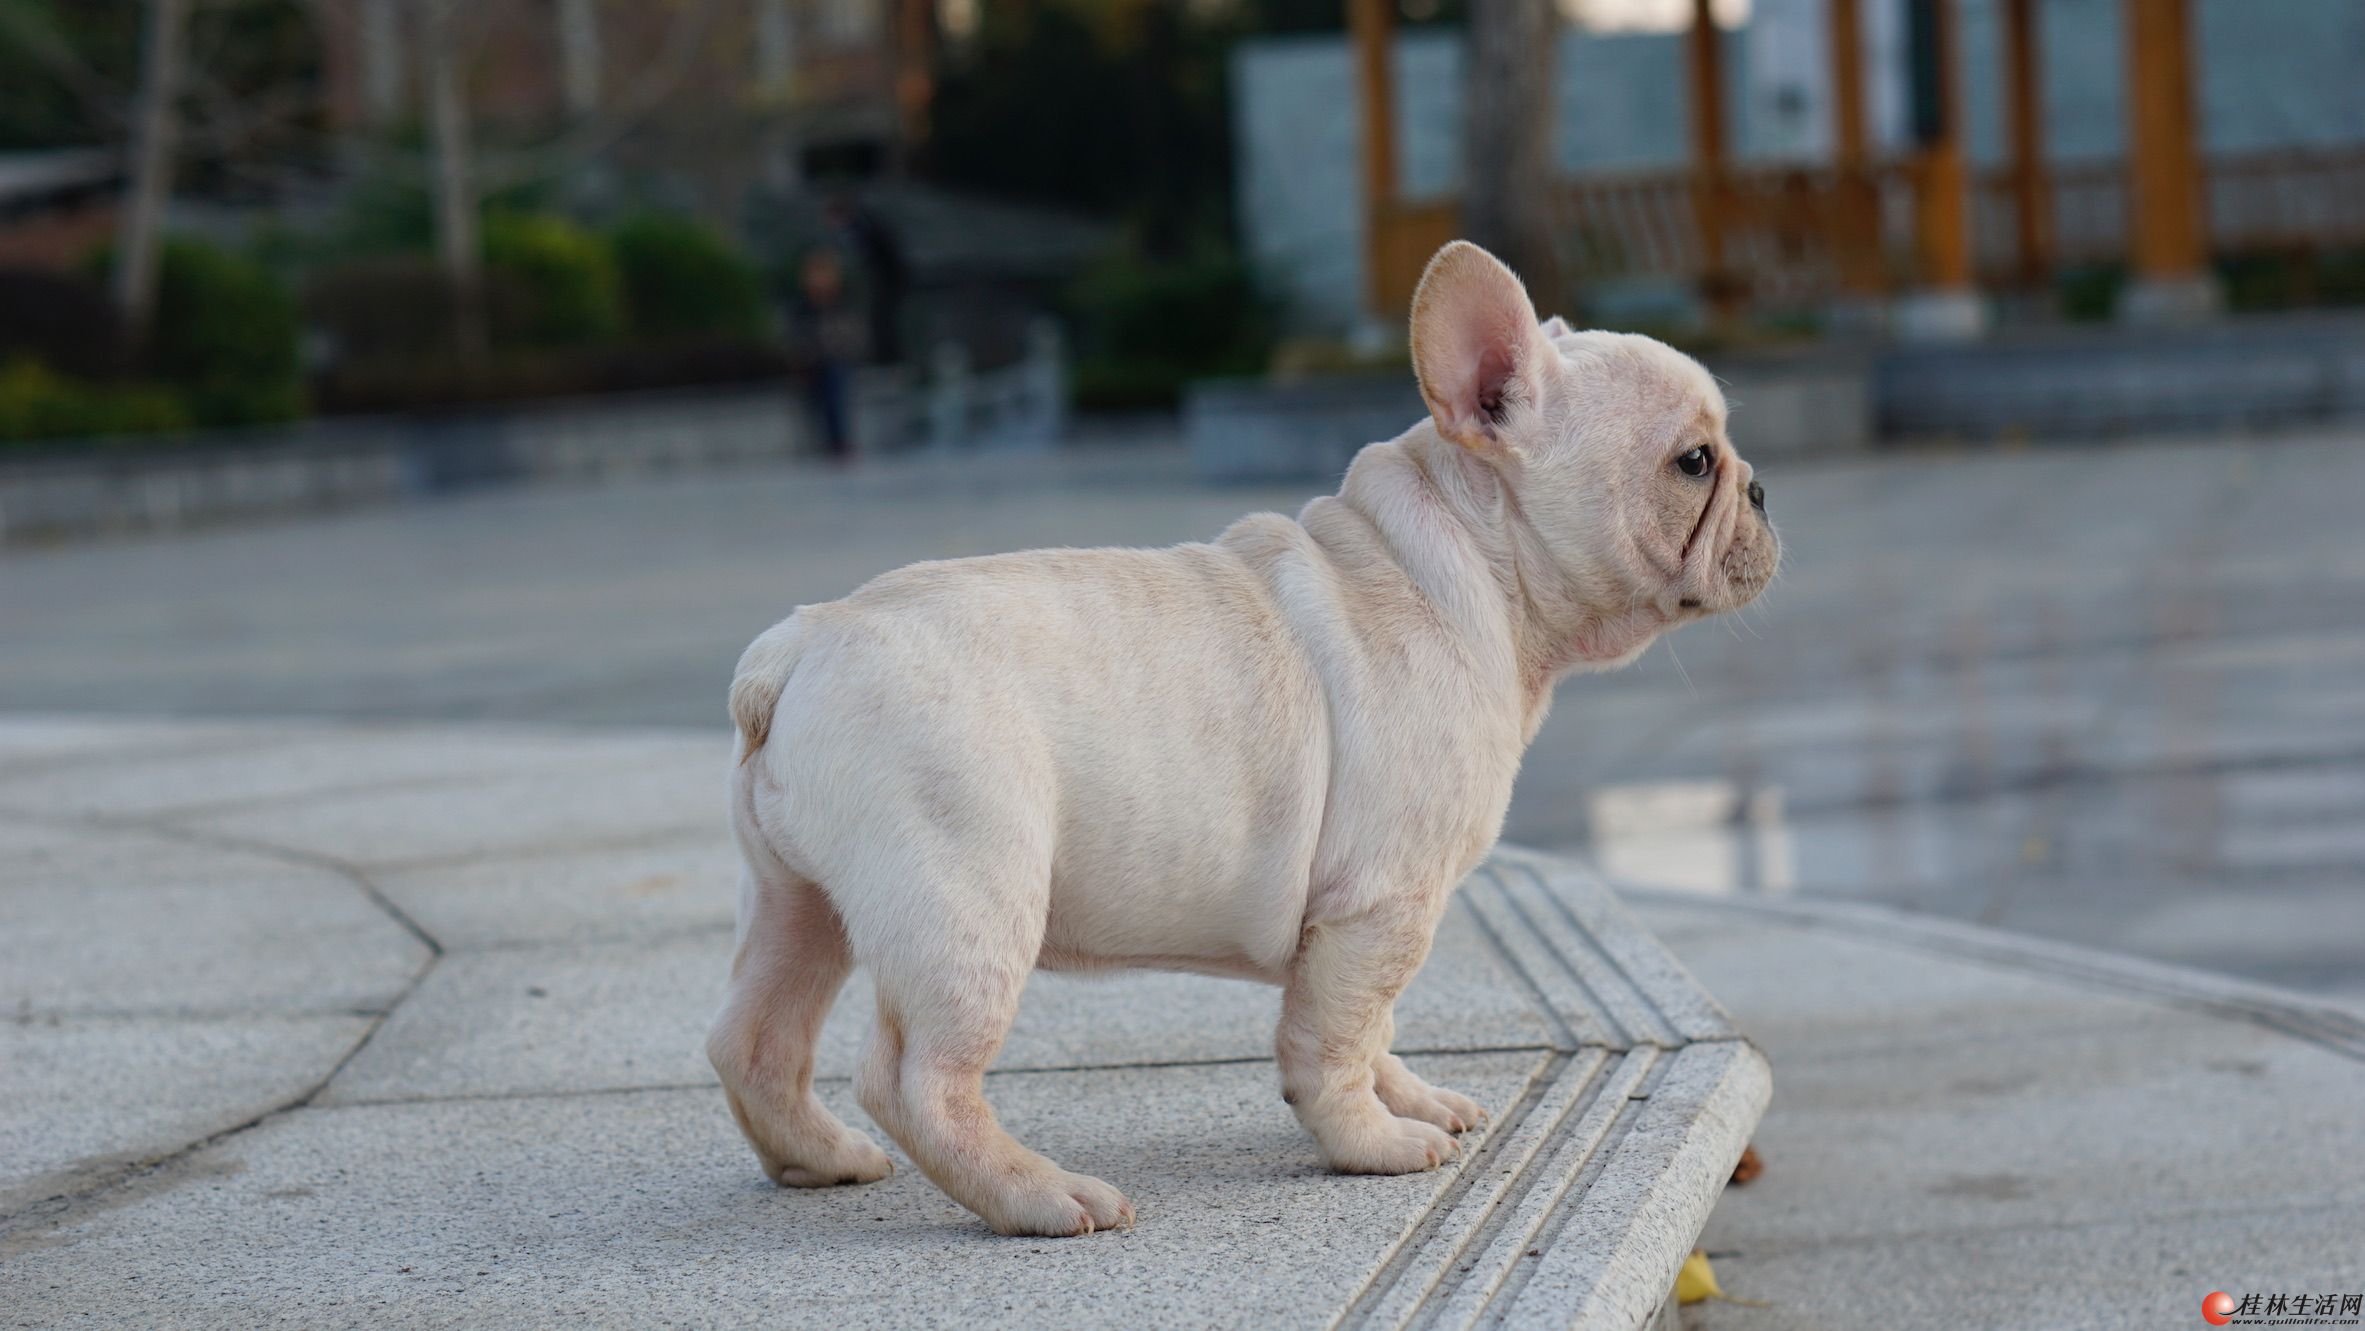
(1386, 1144)
(1056, 1204)
(851, 1158)
(1407, 1096)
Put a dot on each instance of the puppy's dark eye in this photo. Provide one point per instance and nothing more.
(1696, 462)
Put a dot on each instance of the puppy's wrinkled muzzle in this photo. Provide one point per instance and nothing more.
(1751, 557)
(1734, 551)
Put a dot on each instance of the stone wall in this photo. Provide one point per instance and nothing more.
(153, 484)
(2102, 382)
(134, 485)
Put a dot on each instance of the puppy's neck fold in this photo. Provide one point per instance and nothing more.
(1454, 526)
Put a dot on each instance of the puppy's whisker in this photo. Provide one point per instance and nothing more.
(1686, 674)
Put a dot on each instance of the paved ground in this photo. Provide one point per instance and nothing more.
(2111, 695)
(329, 1027)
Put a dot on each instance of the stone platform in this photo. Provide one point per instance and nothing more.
(330, 1026)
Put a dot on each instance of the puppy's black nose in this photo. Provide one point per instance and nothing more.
(1757, 496)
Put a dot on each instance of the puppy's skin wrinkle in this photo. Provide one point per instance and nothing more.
(1268, 756)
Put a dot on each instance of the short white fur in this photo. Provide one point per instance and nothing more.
(1270, 756)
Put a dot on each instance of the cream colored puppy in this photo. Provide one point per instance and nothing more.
(1270, 757)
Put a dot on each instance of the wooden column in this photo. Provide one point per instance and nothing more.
(1856, 232)
(1850, 142)
(915, 72)
(1371, 25)
(2024, 102)
(2165, 224)
(1711, 190)
(1942, 222)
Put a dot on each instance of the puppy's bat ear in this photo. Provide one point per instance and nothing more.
(1475, 344)
(1556, 328)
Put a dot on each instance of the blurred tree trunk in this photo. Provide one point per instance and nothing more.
(382, 99)
(1507, 165)
(442, 59)
(579, 55)
(148, 188)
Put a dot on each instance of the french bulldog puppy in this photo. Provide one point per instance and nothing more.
(1272, 756)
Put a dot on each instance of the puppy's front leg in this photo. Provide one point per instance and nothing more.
(1335, 1024)
(1407, 1095)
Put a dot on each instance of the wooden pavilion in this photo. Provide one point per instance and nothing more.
(1918, 227)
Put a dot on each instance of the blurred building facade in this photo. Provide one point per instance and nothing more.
(715, 96)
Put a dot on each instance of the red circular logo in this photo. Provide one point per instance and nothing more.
(2218, 1308)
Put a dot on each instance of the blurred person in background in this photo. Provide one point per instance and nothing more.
(872, 243)
(830, 337)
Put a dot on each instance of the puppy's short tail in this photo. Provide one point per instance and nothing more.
(763, 672)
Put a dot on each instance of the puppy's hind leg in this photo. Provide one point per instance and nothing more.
(947, 995)
(791, 963)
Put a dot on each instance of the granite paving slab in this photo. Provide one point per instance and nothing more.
(404, 1026)
(645, 1208)
(1979, 1129)
(86, 1100)
(115, 920)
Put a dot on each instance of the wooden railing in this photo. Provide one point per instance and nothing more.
(1794, 235)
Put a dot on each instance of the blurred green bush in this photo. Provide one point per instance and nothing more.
(225, 337)
(382, 307)
(37, 402)
(682, 279)
(658, 303)
(2089, 293)
(565, 277)
(2292, 279)
(1146, 327)
(66, 321)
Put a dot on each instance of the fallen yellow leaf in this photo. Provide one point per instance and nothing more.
(1696, 1282)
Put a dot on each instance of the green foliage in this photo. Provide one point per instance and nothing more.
(566, 275)
(46, 47)
(2287, 280)
(1148, 327)
(36, 402)
(2340, 278)
(69, 68)
(225, 337)
(1112, 108)
(382, 307)
(1114, 111)
(682, 279)
(2090, 293)
(382, 215)
(66, 321)
(1300, 16)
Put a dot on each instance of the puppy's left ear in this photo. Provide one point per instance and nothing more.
(1475, 344)
(1556, 328)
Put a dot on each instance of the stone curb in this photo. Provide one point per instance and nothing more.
(2327, 1025)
